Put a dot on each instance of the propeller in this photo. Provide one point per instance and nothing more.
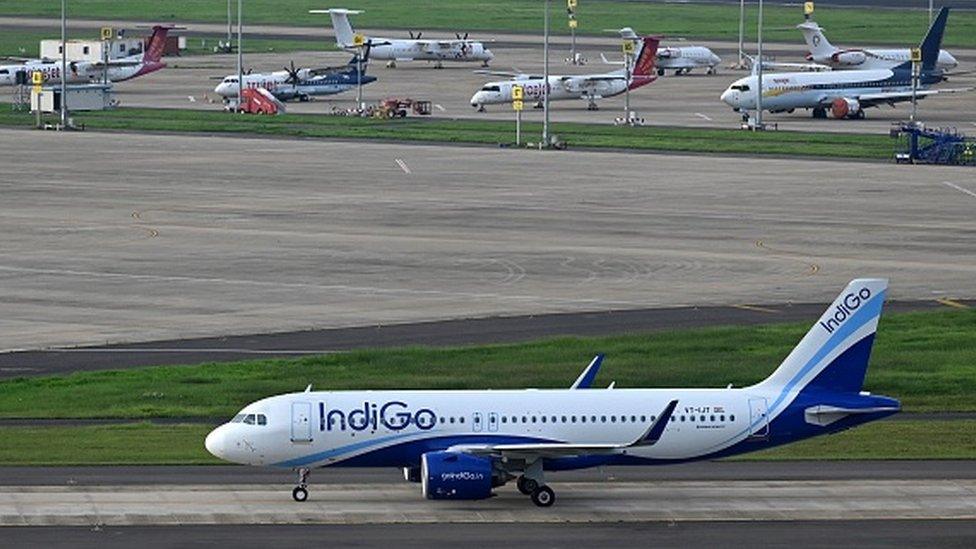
(419, 34)
(459, 37)
(293, 77)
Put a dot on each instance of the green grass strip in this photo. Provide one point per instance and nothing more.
(925, 359)
(647, 138)
(844, 25)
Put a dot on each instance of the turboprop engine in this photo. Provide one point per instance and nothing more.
(843, 107)
(450, 475)
(849, 58)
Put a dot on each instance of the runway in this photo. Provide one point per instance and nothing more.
(618, 501)
(680, 535)
(195, 236)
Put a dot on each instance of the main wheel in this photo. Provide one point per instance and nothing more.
(299, 494)
(526, 485)
(543, 496)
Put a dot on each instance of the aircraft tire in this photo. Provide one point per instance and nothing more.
(299, 494)
(526, 485)
(543, 496)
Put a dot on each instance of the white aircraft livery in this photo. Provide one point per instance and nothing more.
(823, 52)
(461, 445)
(845, 93)
(589, 87)
(413, 49)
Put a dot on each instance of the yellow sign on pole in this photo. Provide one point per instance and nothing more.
(571, 4)
(916, 55)
(517, 105)
(518, 93)
(358, 40)
(37, 78)
(628, 46)
(808, 8)
(107, 33)
(573, 24)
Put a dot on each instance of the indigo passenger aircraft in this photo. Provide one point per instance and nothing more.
(463, 444)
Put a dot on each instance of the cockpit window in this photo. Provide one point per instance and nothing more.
(262, 419)
(249, 419)
(741, 87)
(238, 418)
(4, 71)
(230, 80)
(491, 89)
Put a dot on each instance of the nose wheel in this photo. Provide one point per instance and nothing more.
(300, 493)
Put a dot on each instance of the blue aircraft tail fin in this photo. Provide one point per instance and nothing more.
(933, 41)
(834, 354)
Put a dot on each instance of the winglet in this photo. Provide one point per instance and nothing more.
(585, 379)
(309, 388)
(654, 432)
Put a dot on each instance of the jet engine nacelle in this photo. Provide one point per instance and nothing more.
(449, 475)
(849, 58)
(843, 107)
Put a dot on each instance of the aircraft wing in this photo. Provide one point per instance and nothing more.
(609, 62)
(502, 73)
(881, 98)
(115, 63)
(557, 449)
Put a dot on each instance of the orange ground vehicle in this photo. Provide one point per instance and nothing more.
(398, 107)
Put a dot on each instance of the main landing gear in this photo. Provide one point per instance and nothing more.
(532, 483)
(300, 493)
(592, 106)
(540, 494)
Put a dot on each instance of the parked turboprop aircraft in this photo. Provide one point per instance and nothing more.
(463, 444)
(845, 93)
(821, 51)
(680, 59)
(301, 83)
(118, 70)
(413, 49)
(583, 86)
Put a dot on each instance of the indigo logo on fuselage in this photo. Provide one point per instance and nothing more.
(845, 309)
(393, 415)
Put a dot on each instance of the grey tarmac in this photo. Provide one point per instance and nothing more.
(868, 534)
(200, 236)
(720, 471)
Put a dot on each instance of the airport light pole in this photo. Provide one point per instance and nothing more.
(742, 31)
(64, 67)
(240, 54)
(759, 83)
(230, 18)
(545, 77)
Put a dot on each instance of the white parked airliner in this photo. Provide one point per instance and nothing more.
(464, 444)
(825, 53)
(413, 49)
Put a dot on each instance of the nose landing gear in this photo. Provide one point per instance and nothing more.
(300, 493)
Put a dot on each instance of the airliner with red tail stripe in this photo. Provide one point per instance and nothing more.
(589, 87)
(118, 70)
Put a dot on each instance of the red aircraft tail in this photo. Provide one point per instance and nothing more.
(155, 44)
(644, 66)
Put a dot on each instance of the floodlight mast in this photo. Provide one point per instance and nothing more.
(545, 78)
(64, 67)
(240, 55)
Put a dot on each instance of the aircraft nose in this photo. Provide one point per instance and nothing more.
(727, 97)
(216, 442)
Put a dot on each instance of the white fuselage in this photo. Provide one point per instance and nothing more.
(864, 59)
(426, 50)
(794, 90)
(317, 429)
(560, 88)
(277, 83)
(686, 58)
(78, 71)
